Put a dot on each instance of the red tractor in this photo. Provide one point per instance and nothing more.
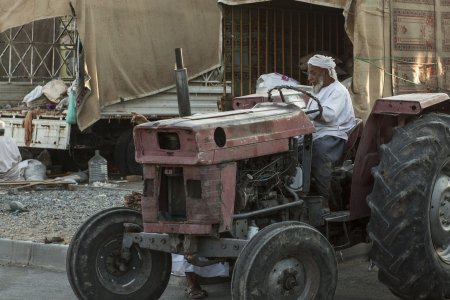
(210, 180)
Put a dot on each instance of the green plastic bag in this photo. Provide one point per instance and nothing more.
(71, 117)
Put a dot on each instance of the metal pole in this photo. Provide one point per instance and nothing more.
(184, 105)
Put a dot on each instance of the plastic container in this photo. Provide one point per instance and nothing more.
(98, 168)
(297, 181)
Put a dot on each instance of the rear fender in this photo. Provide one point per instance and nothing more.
(387, 113)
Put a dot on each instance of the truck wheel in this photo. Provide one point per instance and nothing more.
(134, 168)
(288, 260)
(120, 152)
(95, 268)
(124, 155)
(410, 204)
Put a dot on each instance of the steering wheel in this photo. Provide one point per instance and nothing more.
(280, 87)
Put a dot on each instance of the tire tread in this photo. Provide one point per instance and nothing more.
(399, 202)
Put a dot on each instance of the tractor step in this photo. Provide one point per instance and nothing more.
(337, 216)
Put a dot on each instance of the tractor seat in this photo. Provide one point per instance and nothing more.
(354, 134)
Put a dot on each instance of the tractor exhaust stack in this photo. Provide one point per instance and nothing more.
(184, 105)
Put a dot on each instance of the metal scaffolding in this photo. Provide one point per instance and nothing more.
(39, 51)
(261, 39)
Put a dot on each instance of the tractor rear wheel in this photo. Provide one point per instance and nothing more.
(96, 269)
(288, 260)
(410, 204)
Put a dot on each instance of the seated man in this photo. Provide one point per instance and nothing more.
(9, 157)
(332, 125)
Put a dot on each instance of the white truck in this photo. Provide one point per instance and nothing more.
(60, 47)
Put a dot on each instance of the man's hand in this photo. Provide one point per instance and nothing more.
(138, 119)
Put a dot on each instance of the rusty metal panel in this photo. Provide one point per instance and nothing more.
(178, 228)
(46, 133)
(208, 139)
(409, 104)
(216, 204)
(213, 205)
(149, 203)
(272, 37)
(249, 151)
(378, 130)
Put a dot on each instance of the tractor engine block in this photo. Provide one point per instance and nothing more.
(199, 171)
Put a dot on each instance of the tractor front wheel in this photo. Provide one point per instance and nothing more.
(410, 204)
(288, 260)
(97, 270)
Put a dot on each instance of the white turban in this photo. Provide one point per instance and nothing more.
(325, 62)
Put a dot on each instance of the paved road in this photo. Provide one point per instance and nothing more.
(18, 283)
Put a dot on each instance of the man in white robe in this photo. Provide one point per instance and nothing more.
(9, 157)
(332, 124)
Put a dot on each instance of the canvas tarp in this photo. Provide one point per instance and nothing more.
(420, 48)
(368, 27)
(129, 45)
(400, 46)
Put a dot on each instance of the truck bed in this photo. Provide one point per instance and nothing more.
(49, 129)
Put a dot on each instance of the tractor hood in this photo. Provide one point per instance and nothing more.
(221, 137)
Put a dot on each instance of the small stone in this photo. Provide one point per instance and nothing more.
(16, 206)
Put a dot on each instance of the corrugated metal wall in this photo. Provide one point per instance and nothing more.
(203, 99)
(272, 37)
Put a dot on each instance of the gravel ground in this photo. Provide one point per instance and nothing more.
(53, 214)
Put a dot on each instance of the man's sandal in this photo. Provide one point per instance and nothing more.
(195, 294)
